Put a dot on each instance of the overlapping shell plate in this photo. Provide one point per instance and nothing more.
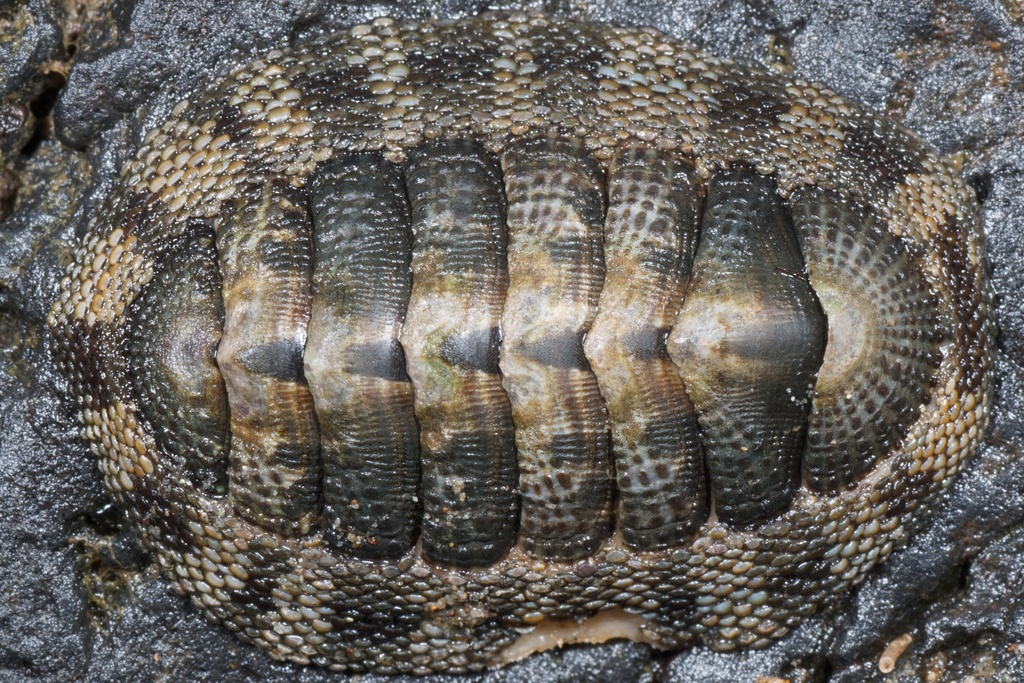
(421, 346)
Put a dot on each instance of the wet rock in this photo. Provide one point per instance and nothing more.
(31, 40)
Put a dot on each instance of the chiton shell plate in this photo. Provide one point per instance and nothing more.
(417, 347)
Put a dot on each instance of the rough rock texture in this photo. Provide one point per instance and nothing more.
(81, 603)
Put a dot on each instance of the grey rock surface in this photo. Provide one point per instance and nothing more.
(80, 83)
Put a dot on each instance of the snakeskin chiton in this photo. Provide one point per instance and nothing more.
(425, 345)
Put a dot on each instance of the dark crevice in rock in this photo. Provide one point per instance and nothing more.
(982, 184)
(41, 108)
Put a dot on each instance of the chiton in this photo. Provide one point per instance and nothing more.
(421, 346)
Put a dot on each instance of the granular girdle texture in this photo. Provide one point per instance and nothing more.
(407, 347)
